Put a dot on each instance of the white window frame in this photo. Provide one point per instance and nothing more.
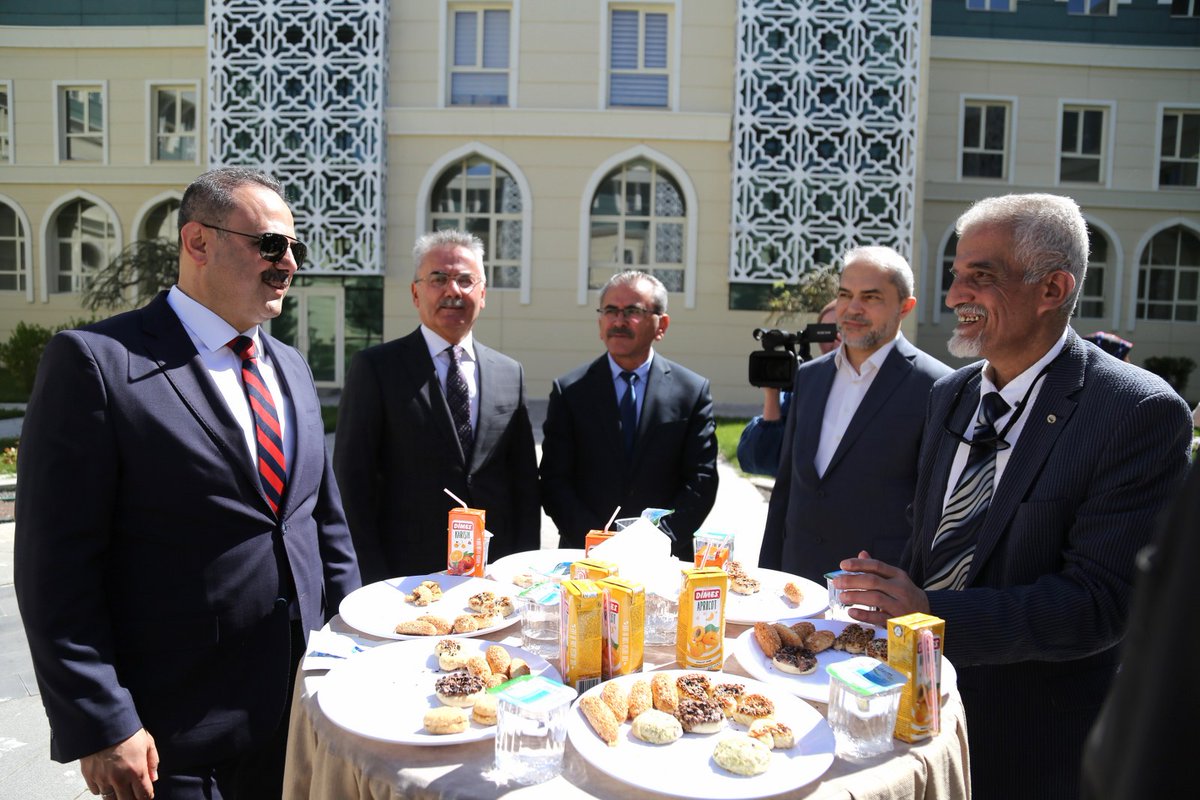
(674, 11)
(60, 122)
(1010, 140)
(48, 238)
(1163, 109)
(26, 253)
(691, 217)
(445, 51)
(6, 133)
(153, 87)
(1136, 299)
(1108, 128)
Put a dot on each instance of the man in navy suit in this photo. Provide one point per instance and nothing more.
(1066, 456)
(167, 560)
(400, 443)
(631, 429)
(853, 429)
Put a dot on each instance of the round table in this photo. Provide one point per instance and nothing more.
(325, 762)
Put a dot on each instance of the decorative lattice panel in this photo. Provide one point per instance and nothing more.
(825, 132)
(297, 88)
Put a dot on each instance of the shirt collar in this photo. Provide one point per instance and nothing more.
(873, 362)
(437, 345)
(1015, 389)
(205, 325)
(641, 370)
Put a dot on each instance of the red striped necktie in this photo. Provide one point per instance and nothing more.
(272, 465)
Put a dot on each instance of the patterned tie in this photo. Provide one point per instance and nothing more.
(272, 466)
(459, 400)
(629, 413)
(954, 543)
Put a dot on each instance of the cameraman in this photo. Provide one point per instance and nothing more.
(762, 439)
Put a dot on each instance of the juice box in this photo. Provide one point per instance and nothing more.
(712, 549)
(581, 635)
(594, 538)
(465, 551)
(593, 569)
(921, 698)
(624, 627)
(700, 636)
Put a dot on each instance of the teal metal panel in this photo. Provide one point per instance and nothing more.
(1144, 23)
(84, 13)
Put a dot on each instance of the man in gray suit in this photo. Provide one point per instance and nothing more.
(630, 429)
(431, 411)
(853, 427)
(1041, 472)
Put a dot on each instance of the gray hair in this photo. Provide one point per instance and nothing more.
(630, 277)
(888, 260)
(209, 198)
(1048, 234)
(449, 237)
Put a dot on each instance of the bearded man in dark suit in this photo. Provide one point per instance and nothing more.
(436, 410)
(1041, 472)
(179, 527)
(631, 429)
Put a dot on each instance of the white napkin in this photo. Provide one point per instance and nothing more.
(327, 649)
(643, 554)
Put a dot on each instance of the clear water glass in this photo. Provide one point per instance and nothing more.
(540, 622)
(662, 618)
(531, 729)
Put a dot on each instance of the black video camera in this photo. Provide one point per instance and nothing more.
(774, 367)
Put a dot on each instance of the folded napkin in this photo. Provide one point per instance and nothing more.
(327, 649)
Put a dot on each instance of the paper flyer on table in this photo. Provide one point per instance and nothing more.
(327, 649)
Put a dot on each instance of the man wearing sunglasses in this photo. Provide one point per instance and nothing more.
(1042, 470)
(631, 429)
(180, 527)
(436, 410)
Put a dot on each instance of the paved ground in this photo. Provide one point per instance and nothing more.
(26, 771)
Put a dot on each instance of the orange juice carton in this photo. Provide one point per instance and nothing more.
(594, 538)
(915, 650)
(624, 627)
(700, 635)
(712, 549)
(593, 569)
(581, 635)
(466, 550)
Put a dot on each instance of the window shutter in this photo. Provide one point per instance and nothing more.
(624, 44)
(656, 41)
(464, 38)
(495, 39)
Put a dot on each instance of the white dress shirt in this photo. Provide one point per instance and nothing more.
(211, 336)
(468, 364)
(846, 394)
(1013, 392)
(621, 387)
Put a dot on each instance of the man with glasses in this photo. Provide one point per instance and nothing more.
(431, 411)
(1042, 470)
(631, 429)
(180, 528)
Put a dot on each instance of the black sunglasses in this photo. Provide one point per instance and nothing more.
(996, 442)
(272, 246)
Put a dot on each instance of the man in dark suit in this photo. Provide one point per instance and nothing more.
(165, 590)
(1041, 472)
(436, 410)
(854, 425)
(631, 429)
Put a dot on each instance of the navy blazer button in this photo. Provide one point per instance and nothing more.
(1051, 419)
(281, 602)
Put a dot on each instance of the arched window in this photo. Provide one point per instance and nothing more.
(84, 241)
(1169, 276)
(1091, 297)
(12, 250)
(478, 195)
(637, 222)
(161, 222)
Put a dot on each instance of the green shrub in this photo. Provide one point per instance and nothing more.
(1173, 369)
(23, 350)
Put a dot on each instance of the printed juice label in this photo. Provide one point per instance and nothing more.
(464, 542)
(915, 718)
(624, 627)
(594, 538)
(593, 569)
(700, 637)
(581, 634)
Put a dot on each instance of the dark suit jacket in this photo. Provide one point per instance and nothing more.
(584, 473)
(810, 525)
(396, 450)
(1034, 635)
(150, 571)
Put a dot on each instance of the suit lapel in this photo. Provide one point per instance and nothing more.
(1045, 423)
(961, 414)
(293, 373)
(486, 431)
(658, 385)
(418, 364)
(892, 372)
(813, 397)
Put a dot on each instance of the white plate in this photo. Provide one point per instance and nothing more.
(815, 685)
(383, 694)
(530, 561)
(378, 607)
(769, 603)
(685, 768)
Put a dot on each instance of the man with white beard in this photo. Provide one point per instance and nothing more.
(1041, 471)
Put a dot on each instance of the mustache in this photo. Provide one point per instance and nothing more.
(277, 276)
(451, 302)
(626, 332)
(853, 318)
(971, 309)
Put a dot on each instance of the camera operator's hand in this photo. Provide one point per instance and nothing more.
(771, 410)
